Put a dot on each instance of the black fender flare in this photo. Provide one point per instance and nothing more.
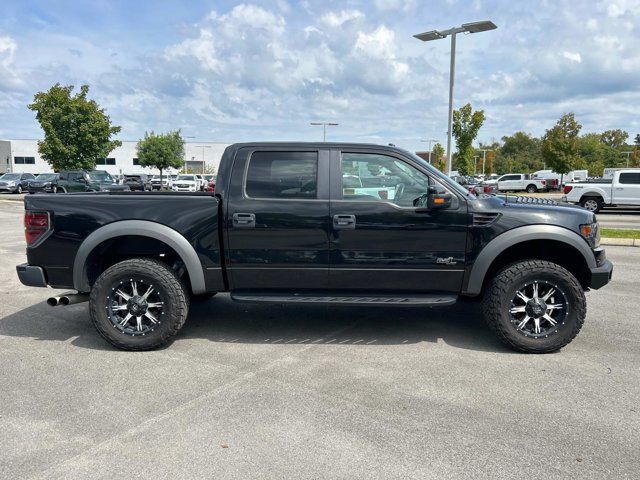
(475, 279)
(141, 228)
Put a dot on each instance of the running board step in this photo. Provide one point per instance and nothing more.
(430, 300)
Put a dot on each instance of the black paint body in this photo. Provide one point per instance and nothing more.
(294, 245)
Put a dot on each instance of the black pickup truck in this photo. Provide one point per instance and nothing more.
(325, 223)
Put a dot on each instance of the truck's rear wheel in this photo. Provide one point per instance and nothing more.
(593, 204)
(535, 306)
(532, 189)
(138, 304)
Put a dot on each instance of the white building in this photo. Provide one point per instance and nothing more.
(22, 156)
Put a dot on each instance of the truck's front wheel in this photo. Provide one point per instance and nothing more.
(535, 306)
(138, 304)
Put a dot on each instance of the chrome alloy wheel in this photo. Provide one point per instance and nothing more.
(538, 309)
(135, 307)
(591, 205)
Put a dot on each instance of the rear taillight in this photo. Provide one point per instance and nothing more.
(36, 224)
(486, 189)
(567, 189)
(544, 182)
(383, 194)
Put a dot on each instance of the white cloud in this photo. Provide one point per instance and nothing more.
(9, 78)
(398, 5)
(8, 48)
(336, 19)
(618, 8)
(573, 56)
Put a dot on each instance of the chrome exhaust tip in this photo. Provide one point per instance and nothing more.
(69, 298)
(53, 301)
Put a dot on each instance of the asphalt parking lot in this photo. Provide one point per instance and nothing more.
(315, 392)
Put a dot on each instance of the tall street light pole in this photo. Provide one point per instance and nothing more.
(324, 128)
(474, 27)
(484, 156)
(203, 147)
(430, 140)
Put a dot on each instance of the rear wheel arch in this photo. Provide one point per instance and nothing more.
(138, 228)
(542, 242)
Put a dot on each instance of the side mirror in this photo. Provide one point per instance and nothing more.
(436, 201)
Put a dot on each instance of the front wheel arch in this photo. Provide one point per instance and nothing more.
(544, 242)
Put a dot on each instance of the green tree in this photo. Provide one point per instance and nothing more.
(559, 145)
(161, 151)
(466, 124)
(635, 155)
(614, 138)
(77, 132)
(520, 152)
(595, 155)
(438, 159)
(488, 164)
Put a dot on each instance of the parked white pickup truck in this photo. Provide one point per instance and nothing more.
(622, 189)
(513, 182)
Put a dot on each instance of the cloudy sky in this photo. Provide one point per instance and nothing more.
(237, 71)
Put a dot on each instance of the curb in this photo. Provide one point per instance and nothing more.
(621, 242)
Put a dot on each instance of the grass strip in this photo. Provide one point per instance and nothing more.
(619, 233)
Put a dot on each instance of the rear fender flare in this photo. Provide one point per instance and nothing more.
(141, 228)
(473, 286)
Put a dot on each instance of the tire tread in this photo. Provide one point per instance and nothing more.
(164, 274)
(499, 287)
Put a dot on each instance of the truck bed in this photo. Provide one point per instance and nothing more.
(76, 216)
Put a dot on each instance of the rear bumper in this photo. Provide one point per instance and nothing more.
(601, 275)
(31, 276)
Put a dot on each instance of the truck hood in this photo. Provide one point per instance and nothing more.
(535, 210)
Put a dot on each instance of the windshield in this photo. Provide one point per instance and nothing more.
(186, 177)
(11, 176)
(99, 176)
(47, 176)
(437, 173)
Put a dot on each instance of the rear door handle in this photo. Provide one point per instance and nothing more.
(344, 222)
(244, 220)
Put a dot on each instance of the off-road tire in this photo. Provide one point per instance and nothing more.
(501, 290)
(598, 200)
(174, 294)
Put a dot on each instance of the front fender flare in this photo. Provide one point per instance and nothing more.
(140, 228)
(475, 279)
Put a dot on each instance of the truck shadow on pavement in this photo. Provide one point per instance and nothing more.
(221, 320)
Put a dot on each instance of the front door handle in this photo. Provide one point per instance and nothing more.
(244, 220)
(344, 222)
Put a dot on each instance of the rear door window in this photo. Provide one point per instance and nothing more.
(282, 175)
(631, 178)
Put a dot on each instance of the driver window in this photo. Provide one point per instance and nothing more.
(374, 177)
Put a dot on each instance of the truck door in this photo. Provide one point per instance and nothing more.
(509, 182)
(627, 189)
(277, 219)
(379, 240)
